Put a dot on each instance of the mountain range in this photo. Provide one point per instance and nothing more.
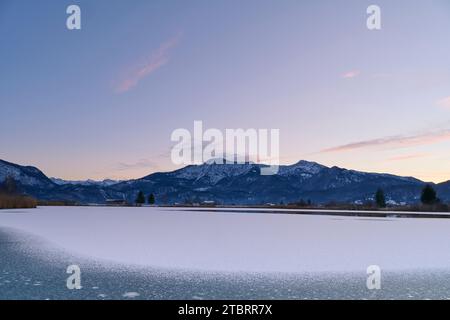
(239, 184)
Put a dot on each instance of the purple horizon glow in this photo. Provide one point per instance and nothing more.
(102, 102)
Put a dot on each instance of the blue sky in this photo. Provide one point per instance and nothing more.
(101, 102)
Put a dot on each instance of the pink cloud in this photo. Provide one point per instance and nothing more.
(156, 60)
(395, 142)
(351, 74)
(444, 103)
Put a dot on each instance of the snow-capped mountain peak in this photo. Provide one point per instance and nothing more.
(302, 168)
(212, 171)
(25, 175)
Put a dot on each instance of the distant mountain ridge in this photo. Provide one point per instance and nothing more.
(89, 182)
(240, 184)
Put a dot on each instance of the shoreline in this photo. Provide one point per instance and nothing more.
(367, 213)
(328, 212)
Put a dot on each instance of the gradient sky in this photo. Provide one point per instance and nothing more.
(102, 102)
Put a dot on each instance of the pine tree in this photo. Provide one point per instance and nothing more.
(429, 195)
(140, 199)
(151, 199)
(380, 199)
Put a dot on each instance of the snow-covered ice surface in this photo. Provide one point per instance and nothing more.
(196, 240)
(156, 253)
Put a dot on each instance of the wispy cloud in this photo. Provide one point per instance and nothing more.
(408, 157)
(444, 103)
(156, 60)
(142, 163)
(395, 142)
(350, 74)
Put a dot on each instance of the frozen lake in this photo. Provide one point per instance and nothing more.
(220, 254)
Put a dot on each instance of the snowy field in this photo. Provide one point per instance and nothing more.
(237, 242)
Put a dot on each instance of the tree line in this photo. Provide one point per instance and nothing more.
(428, 197)
(141, 199)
